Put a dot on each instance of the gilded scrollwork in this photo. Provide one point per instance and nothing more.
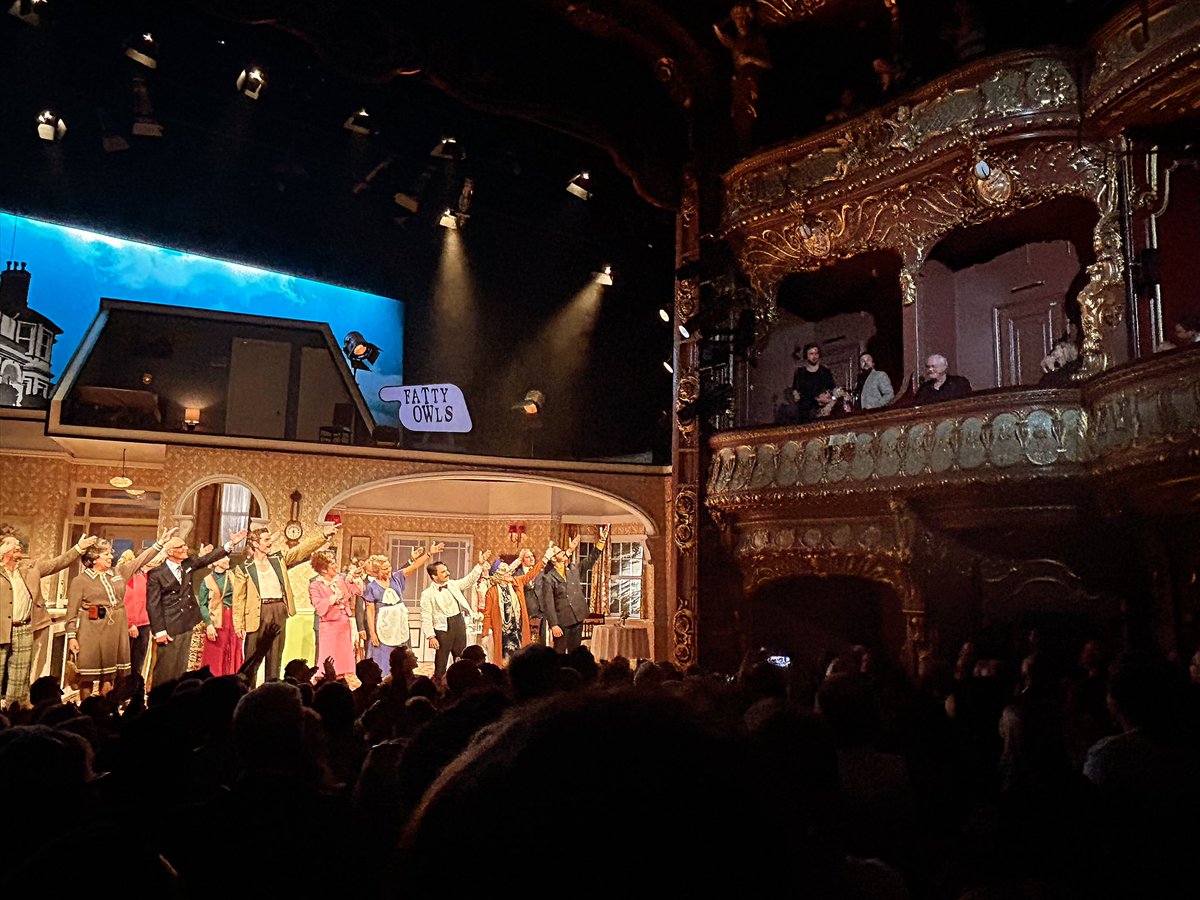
(687, 298)
(1102, 300)
(685, 506)
(683, 627)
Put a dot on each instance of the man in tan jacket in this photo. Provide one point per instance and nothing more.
(262, 592)
(23, 610)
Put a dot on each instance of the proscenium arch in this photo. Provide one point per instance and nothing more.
(642, 516)
(190, 491)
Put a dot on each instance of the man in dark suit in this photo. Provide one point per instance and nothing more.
(560, 591)
(171, 604)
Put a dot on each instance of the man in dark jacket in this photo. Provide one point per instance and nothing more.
(560, 591)
(171, 604)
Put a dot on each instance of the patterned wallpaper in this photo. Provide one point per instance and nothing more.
(488, 534)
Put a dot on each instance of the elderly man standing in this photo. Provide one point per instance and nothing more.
(23, 610)
(262, 591)
(939, 386)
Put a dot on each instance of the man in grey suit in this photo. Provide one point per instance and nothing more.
(23, 610)
(560, 590)
(172, 607)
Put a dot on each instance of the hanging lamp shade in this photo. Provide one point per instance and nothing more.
(122, 481)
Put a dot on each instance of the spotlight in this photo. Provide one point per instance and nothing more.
(252, 81)
(361, 352)
(141, 48)
(982, 170)
(579, 186)
(449, 219)
(664, 314)
(684, 333)
(533, 404)
(191, 418)
(604, 276)
(447, 148)
(27, 11)
(50, 126)
(667, 365)
(358, 122)
(406, 201)
(144, 123)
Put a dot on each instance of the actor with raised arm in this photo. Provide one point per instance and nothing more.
(262, 592)
(445, 610)
(561, 590)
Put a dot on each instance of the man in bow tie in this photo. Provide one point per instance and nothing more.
(445, 609)
(171, 603)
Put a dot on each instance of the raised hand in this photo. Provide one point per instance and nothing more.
(330, 672)
(88, 540)
(167, 535)
(574, 543)
(329, 529)
(604, 534)
(437, 548)
(206, 549)
(485, 556)
(237, 538)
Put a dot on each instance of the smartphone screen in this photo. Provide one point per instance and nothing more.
(782, 661)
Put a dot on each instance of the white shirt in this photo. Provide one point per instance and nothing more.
(176, 570)
(440, 602)
(269, 587)
(22, 599)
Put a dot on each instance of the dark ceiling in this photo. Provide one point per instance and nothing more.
(536, 90)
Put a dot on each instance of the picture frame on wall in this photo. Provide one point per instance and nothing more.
(360, 546)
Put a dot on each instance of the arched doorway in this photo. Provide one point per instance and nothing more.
(212, 509)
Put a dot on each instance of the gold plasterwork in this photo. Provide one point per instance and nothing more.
(686, 504)
(687, 298)
(1102, 300)
(683, 627)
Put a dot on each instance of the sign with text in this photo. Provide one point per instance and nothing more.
(430, 407)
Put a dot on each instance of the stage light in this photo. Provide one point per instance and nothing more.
(359, 122)
(406, 201)
(144, 123)
(252, 81)
(141, 48)
(50, 126)
(667, 365)
(447, 148)
(191, 418)
(664, 314)
(533, 404)
(27, 11)
(604, 276)
(449, 219)
(684, 333)
(361, 352)
(579, 186)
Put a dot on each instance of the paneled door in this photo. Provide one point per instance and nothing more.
(1024, 332)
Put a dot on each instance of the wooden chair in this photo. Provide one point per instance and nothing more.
(590, 621)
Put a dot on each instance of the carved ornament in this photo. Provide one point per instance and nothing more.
(686, 504)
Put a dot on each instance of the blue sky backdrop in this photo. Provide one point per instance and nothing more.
(73, 268)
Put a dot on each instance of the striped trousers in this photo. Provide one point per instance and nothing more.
(16, 659)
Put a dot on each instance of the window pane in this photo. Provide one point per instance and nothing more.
(625, 596)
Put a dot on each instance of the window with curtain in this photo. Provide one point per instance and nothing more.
(235, 511)
(624, 576)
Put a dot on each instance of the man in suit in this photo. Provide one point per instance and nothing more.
(561, 593)
(262, 591)
(23, 610)
(445, 610)
(172, 606)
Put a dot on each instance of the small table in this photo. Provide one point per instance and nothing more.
(630, 641)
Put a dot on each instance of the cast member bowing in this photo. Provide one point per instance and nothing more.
(505, 612)
(262, 591)
(445, 610)
(97, 623)
(332, 595)
(561, 591)
(171, 603)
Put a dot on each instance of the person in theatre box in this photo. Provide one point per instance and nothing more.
(445, 610)
(171, 603)
(332, 595)
(939, 386)
(814, 391)
(505, 612)
(874, 389)
(561, 591)
(97, 624)
(222, 647)
(262, 591)
(383, 600)
(23, 610)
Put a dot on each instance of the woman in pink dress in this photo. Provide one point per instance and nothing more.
(332, 598)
